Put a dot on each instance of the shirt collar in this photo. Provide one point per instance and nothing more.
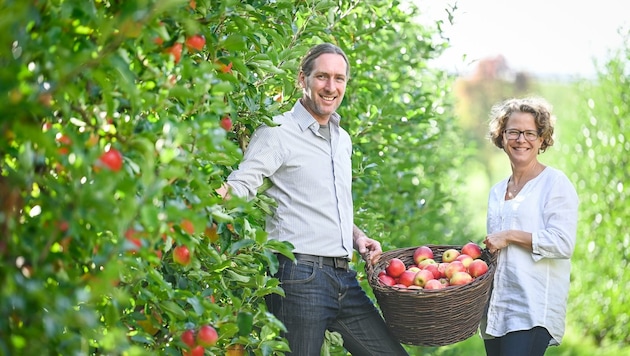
(305, 120)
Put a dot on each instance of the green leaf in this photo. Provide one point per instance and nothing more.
(173, 308)
(244, 321)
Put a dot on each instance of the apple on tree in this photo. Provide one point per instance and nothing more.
(181, 255)
(226, 123)
(195, 42)
(207, 336)
(188, 338)
(111, 159)
(176, 51)
(194, 351)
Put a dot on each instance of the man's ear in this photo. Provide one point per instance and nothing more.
(301, 80)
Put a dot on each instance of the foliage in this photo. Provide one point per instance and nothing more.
(87, 244)
(602, 173)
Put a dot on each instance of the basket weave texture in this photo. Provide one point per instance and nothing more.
(432, 317)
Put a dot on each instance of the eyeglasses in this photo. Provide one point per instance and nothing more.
(530, 135)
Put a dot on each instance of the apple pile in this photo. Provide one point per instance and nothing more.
(456, 267)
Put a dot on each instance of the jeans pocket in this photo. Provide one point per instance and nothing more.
(300, 273)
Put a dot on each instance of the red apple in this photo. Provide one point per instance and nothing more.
(181, 255)
(433, 284)
(407, 278)
(433, 268)
(465, 259)
(175, 51)
(422, 278)
(422, 253)
(460, 278)
(395, 267)
(477, 268)
(426, 262)
(400, 285)
(442, 269)
(188, 338)
(450, 255)
(207, 336)
(196, 351)
(472, 249)
(387, 279)
(444, 281)
(226, 123)
(455, 266)
(195, 42)
(112, 159)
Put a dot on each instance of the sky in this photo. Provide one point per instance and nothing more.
(541, 37)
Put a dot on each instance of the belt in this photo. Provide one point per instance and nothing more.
(335, 262)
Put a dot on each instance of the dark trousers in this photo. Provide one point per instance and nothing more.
(532, 342)
(319, 298)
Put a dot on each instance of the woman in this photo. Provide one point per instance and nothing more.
(531, 225)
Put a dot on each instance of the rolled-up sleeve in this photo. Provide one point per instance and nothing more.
(560, 214)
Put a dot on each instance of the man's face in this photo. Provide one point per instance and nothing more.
(325, 87)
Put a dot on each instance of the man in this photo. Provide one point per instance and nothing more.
(307, 157)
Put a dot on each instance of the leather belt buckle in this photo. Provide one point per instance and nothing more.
(340, 262)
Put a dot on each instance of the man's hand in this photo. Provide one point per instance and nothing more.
(369, 249)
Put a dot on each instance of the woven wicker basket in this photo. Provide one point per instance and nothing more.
(432, 317)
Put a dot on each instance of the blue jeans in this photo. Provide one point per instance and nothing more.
(318, 298)
(532, 342)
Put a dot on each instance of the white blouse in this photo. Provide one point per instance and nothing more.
(531, 288)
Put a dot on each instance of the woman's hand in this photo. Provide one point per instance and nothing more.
(497, 241)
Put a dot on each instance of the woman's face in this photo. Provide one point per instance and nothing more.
(521, 150)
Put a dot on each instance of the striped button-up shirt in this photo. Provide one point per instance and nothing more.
(311, 178)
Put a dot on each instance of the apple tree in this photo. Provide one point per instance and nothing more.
(119, 119)
(599, 301)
